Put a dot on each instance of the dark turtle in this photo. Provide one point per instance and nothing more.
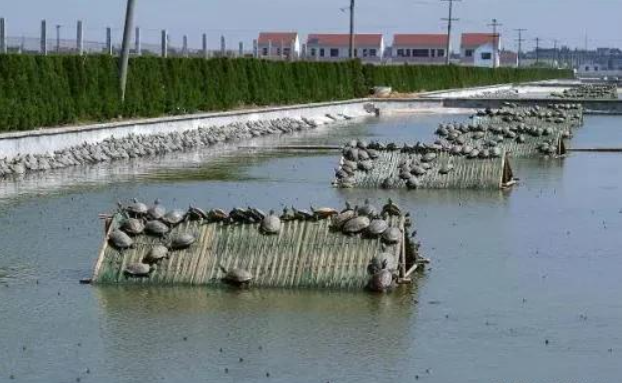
(302, 214)
(340, 220)
(174, 217)
(156, 254)
(217, 215)
(413, 183)
(377, 227)
(195, 213)
(446, 168)
(271, 224)
(156, 228)
(138, 270)
(392, 235)
(356, 225)
(382, 280)
(257, 214)
(133, 226)
(391, 208)
(287, 215)
(365, 166)
(182, 241)
(136, 208)
(367, 209)
(374, 266)
(324, 212)
(156, 211)
(120, 240)
(236, 276)
(238, 214)
(373, 154)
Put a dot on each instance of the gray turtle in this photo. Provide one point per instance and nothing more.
(156, 254)
(137, 270)
(324, 212)
(156, 211)
(377, 227)
(174, 217)
(195, 213)
(133, 226)
(236, 276)
(271, 224)
(340, 220)
(137, 208)
(120, 240)
(156, 228)
(446, 168)
(302, 214)
(367, 209)
(382, 280)
(429, 157)
(391, 208)
(182, 241)
(217, 215)
(374, 266)
(392, 235)
(356, 225)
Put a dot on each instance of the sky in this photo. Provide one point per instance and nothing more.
(569, 21)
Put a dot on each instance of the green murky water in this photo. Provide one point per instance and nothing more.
(510, 271)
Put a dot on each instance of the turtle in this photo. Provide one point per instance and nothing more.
(217, 215)
(156, 228)
(342, 218)
(495, 152)
(377, 227)
(136, 208)
(302, 214)
(365, 165)
(236, 276)
(238, 214)
(391, 208)
(156, 254)
(419, 171)
(137, 270)
(389, 259)
(413, 183)
(374, 266)
(373, 154)
(195, 213)
(446, 168)
(324, 212)
(368, 209)
(392, 235)
(156, 211)
(287, 215)
(271, 224)
(382, 280)
(182, 241)
(356, 225)
(174, 217)
(133, 226)
(429, 157)
(257, 214)
(120, 240)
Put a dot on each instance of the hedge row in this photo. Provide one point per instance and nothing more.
(38, 91)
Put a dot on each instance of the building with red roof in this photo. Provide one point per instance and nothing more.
(367, 47)
(278, 45)
(480, 49)
(419, 48)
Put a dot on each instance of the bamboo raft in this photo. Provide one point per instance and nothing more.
(305, 254)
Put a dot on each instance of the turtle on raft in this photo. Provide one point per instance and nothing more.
(382, 280)
(138, 270)
(236, 276)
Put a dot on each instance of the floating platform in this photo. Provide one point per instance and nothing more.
(304, 254)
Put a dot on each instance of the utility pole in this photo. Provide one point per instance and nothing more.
(3, 39)
(556, 52)
(351, 54)
(450, 19)
(58, 26)
(537, 50)
(125, 50)
(520, 43)
(495, 41)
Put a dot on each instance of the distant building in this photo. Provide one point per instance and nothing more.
(508, 59)
(278, 45)
(419, 48)
(478, 49)
(332, 47)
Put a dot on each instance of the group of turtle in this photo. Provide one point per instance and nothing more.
(553, 113)
(369, 221)
(139, 146)
(357, 155)
(589, 91)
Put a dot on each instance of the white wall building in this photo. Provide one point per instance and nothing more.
(278, 45)
(419, 48)
(478, 49)
(334, 47)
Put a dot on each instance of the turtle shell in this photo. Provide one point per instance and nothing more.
(156, 228)
(340, 220)
(156, 211)
(137, 208)
(367, 209)
(377, 227)
(182, 241)
(120, 240)
(271, 225)
(392, 235)
(238, 276)
(174, 217)
(156, 254)
(356, 225)
(381, 281)
(137, 270)
(133, 226)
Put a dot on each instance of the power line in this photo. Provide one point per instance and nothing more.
(495, 38)
(450, 19)
(520, 43)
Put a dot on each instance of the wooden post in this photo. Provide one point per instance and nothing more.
(205, 51)
(269, 48)
(44, 38)
(3, 43)
(125, 50)
(255, 48)
(80, 38)
(241, 50)
(138, 43)
(109, 41)
(164, 43)
(223, 46)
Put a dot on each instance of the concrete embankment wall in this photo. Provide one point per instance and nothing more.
(49, 140)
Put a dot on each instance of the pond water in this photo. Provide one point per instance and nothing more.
(524, 286)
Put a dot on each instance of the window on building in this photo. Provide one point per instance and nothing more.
(264, 51)
(334, 52)
(468, 53)
(486, 56)
(440, 53)
(365, 52)
(421, 53)
(278, 51)
(432, 52)
(400, 53)
(321, 52)
(407, 52)
(373, 53)
(313, 52)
